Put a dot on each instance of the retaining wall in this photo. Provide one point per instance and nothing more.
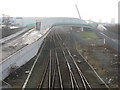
(20, 57)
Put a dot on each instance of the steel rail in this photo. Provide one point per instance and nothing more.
(50, 71)
(69, 66)
(58, 66)
(83, 77)
(43, 77)
(54, 74)
(70, 71)
(54, 71)
(78, 69)
(84, 80)
(27, 79)
(92, 68)
(45, 72)
(107, 86)
(72, 77)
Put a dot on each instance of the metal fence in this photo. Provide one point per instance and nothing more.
(108, 41)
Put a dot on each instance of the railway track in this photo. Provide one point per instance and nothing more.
(87, 64)
(56, 67)
(75, 72)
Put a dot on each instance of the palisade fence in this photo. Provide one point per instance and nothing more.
(111, 34)
(109, 41)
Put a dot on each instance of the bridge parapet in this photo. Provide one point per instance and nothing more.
(49, 22)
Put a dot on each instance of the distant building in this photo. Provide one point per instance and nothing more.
(113, 21)
(100, 20)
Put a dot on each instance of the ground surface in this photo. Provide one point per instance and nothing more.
(103, 59)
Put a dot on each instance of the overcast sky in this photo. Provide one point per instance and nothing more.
(89, 9)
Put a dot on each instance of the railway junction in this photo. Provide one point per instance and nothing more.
(64, 62)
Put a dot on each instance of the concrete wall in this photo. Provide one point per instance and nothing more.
(20, 57)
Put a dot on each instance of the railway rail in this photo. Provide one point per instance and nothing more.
(85, 83)
(56, 67)
(66, 44)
